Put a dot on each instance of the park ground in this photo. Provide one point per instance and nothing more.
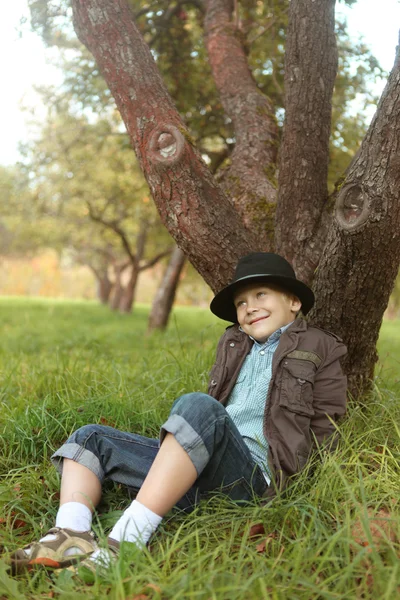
(64, 364)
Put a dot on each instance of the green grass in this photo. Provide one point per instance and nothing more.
(66, 364)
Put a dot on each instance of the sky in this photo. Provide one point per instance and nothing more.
(25, 62)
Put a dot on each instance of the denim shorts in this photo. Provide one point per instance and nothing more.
(203, 428)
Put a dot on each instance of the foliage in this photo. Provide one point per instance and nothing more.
(174, 31)
(85, 178)
(22, 230)
(65, 364)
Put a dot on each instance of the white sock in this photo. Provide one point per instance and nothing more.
(74, 515)
(101, 557)
(136, 525)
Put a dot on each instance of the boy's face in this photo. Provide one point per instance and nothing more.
(261, 310)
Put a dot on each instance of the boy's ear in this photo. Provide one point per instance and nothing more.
(295, 304)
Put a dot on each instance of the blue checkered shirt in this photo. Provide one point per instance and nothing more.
(246, 403)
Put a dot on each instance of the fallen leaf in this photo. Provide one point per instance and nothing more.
(15, 523)
(261, 547)
(256, 530)
(18, 523)
(106, 422)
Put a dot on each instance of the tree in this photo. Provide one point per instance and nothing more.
(346, 243)
(84, 176)
(165, 295)
(23, 231)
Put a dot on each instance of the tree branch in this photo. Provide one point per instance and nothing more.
(192, 206)
(310, 71)
(152, 261)
(253, 118)
(114, 226)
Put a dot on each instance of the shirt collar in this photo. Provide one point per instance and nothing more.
(274, 337)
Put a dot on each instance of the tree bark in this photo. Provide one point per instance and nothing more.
(190, 203)
(103, 283)
(361, 258)
(310, 71)
(104, 287)
(127, 297)
(118, 288)
(165, 296)
(128, 293)
(252, 113)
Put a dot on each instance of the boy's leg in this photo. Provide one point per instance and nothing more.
(79, 484)
(172, 464)
(93, 453)
(201, 449)
(199, 444)
(79, 494)
(223, 462)
(171, 475)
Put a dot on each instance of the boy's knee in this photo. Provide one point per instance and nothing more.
(83, 434)
(196, 402)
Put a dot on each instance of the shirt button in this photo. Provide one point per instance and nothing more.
(232, 344)
(262, 352)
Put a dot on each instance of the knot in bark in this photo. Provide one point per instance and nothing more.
(352, 207)
(166, 145)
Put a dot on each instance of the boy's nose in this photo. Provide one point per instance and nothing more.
(251, 309)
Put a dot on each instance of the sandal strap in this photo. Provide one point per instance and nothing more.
(113, 546)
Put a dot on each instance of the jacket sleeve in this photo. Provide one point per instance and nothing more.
(329, 396)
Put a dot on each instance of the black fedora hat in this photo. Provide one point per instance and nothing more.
(261, 267)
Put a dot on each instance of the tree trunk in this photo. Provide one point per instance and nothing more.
(361, 258)
(104, 287)
(118, 289)
(103, 283)
(310, 71)
(165, 296)
(128, 293)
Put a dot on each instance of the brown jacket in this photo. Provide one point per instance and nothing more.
(306, 395)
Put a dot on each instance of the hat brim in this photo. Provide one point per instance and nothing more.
(223, 307)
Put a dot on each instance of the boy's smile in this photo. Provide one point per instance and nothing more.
(261, 310)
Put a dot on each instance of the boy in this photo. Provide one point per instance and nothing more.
(275, 388)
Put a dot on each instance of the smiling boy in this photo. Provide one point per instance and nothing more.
(261, 310)
(275, 391)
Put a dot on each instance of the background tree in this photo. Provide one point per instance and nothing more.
(84, 175)
(22, 230)
(165, 295)
(336, 234)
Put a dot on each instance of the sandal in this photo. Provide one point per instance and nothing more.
(88, 568)
(67, 548)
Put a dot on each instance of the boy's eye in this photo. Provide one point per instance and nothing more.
(240, 303)
(260, 294)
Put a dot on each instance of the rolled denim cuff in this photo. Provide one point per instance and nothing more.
(80, 455)
(188, 438)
